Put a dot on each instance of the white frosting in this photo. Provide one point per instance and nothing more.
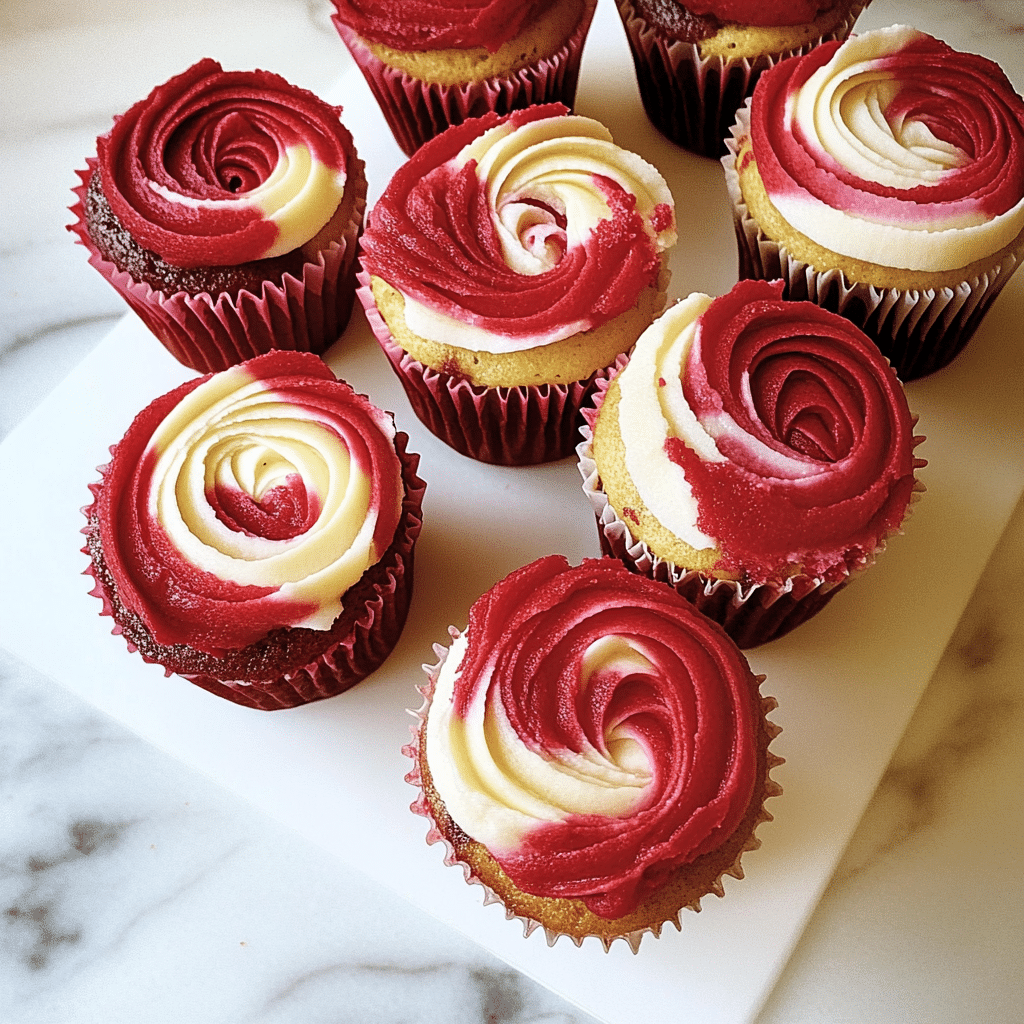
(840, 111)
(652, 408)
(553, 162)
(498, 789)
(232, 430)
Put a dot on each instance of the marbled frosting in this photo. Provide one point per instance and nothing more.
(225, 209)
(864, 152)
(506, 266)
(753, 453)
(516, 232)
(239, 517)
(594, 734)
(222, 167)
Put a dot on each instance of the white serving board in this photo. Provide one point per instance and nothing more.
(847, 681)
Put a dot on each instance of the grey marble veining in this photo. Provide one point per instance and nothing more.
(132, 889)
(130, 881)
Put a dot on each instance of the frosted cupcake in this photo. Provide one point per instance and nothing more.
(697, 61)
(884, 179)
(754, 454)
(432, 65)
(225, 208)
(254, 532)
(506, 266)
(593, 752)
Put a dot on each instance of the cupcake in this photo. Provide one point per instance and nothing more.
(884, 179)
(432, 65)
(504, 269)
(753, 454)
(593, 751)
(696, 62)
(254, 532)
(225, 208)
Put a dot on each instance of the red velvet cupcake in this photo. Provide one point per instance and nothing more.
(254, 532)
(225, 208)
(432, 65)
(696, 60)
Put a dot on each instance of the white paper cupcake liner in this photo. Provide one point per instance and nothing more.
(632, 937)
(752, 615)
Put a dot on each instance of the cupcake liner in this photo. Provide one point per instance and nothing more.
(360, 640)
(209, 333)
(752, 615)
(693, 100)
(416, 111)
(919, 330)
(511, 899)
(508, 426)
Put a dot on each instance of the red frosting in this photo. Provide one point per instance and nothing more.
(431, 236)
(822, 397)
(443, 24)
(180, 603)
(209, 134)
(963, 98)
(697, 713)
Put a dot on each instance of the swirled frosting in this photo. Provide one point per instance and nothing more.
(773, 431)
(438, 24)
(593, 731)
(248, 500)
(216, 167)
(509, 232)
(893, 148)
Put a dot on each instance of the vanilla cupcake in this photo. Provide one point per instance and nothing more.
(254, 532)
(432, 65)
(753, 453)
(884, 179)
(593, 751)
(225, 208)
(697, 61)
(505, 267)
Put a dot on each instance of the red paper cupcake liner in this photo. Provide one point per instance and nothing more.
(210, 333)
(752, 615)
(416, 111)
(918, 330)
(631, 936)
(357, 644)
(519, 426)
(693, 100)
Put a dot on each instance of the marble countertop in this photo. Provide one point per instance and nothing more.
(133, 889)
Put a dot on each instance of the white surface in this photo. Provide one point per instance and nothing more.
(847, 681)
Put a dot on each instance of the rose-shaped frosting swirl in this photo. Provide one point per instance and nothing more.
(510, 232)
(893, 148)
(248, 500)
(774, 431)
(216, 168)
(593, 731)
(438, 24)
